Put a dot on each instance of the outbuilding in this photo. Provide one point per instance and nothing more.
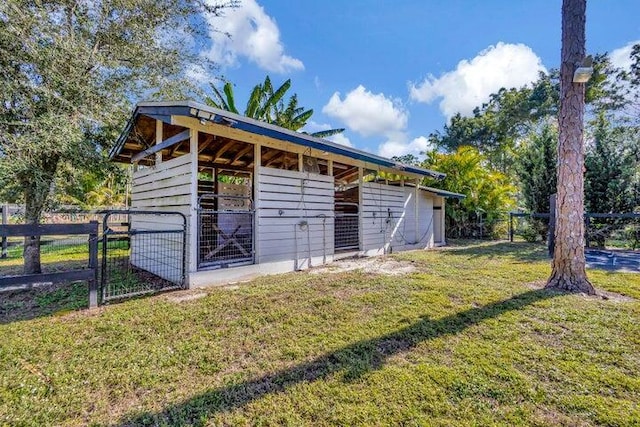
(262, 199)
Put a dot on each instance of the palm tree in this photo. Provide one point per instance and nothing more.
(268, 105)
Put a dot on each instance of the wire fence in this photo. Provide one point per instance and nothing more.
(346, 227)
(147, 258)
(142, 255)
(225, 231)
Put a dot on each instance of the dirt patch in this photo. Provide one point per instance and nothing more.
(42, 300)
(184, 297)
(600, 293)
(373, 265)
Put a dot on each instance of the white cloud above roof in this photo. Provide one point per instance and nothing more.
(367, 113)
(339, 138)
(400, 147)
(471, 83)
(247, 31)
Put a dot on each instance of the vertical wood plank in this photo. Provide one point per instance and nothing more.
(192, 218)
(257, 162)
(158, 140)
(416, 208)
(330, 167)
(360, 214)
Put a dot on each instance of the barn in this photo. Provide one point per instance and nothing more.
(261, 199)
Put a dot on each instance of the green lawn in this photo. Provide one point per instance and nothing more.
(468, 338)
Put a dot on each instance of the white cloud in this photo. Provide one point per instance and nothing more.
(471, 83)
(621, 57)
(400, 147)
(341, 139)
(197, 73)
(252, 34)
(367, 113)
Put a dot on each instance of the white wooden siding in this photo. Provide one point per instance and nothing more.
(164, 187)
(286, 199)
(389, 218)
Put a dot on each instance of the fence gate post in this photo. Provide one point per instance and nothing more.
(552, 225)
(5, 221)
(510, 227)
(93, 264)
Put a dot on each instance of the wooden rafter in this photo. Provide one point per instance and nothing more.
(223, 149)
(207, 142)
(241, 153)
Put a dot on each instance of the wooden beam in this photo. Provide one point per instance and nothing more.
(223, 149)
(207, 142)
(241, 153)
(159, 147)
(330, 167)
(265, 141)
(13, 230)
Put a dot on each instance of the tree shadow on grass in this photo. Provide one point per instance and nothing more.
(522, 251)
(353, 361)
(41, 301)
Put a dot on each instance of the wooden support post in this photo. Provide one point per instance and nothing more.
(300, 162)
(330, 167)
(510, 227)
(5, 221)
(158, 140)
(257, 162)
(93, 264)
(552, 225)
(416, 207)
(360, 213)
(193, 251)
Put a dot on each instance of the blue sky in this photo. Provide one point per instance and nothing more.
(392, 72)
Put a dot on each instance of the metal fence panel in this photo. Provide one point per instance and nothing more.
(142, 255)
(225, 231)
(346, 227)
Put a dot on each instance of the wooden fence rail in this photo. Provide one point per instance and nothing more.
(89, 274)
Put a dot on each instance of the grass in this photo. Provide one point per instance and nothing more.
(466, 339)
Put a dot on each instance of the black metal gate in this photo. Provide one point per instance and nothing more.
(225, 231)
(142, 252)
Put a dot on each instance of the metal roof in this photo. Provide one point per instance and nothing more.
(164, 111)
(443, 193)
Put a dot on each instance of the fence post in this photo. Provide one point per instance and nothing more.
(510, 227)
(552, 225)
(5, 221)
(587, 224)
(93, 264)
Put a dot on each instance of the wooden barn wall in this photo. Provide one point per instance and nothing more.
(425, 220)
(287, 198)
(389, 218)
(164, 187)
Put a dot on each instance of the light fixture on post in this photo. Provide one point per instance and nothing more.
(584, 71)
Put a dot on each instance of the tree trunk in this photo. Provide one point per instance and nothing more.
(36, 191)
(568, 266)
